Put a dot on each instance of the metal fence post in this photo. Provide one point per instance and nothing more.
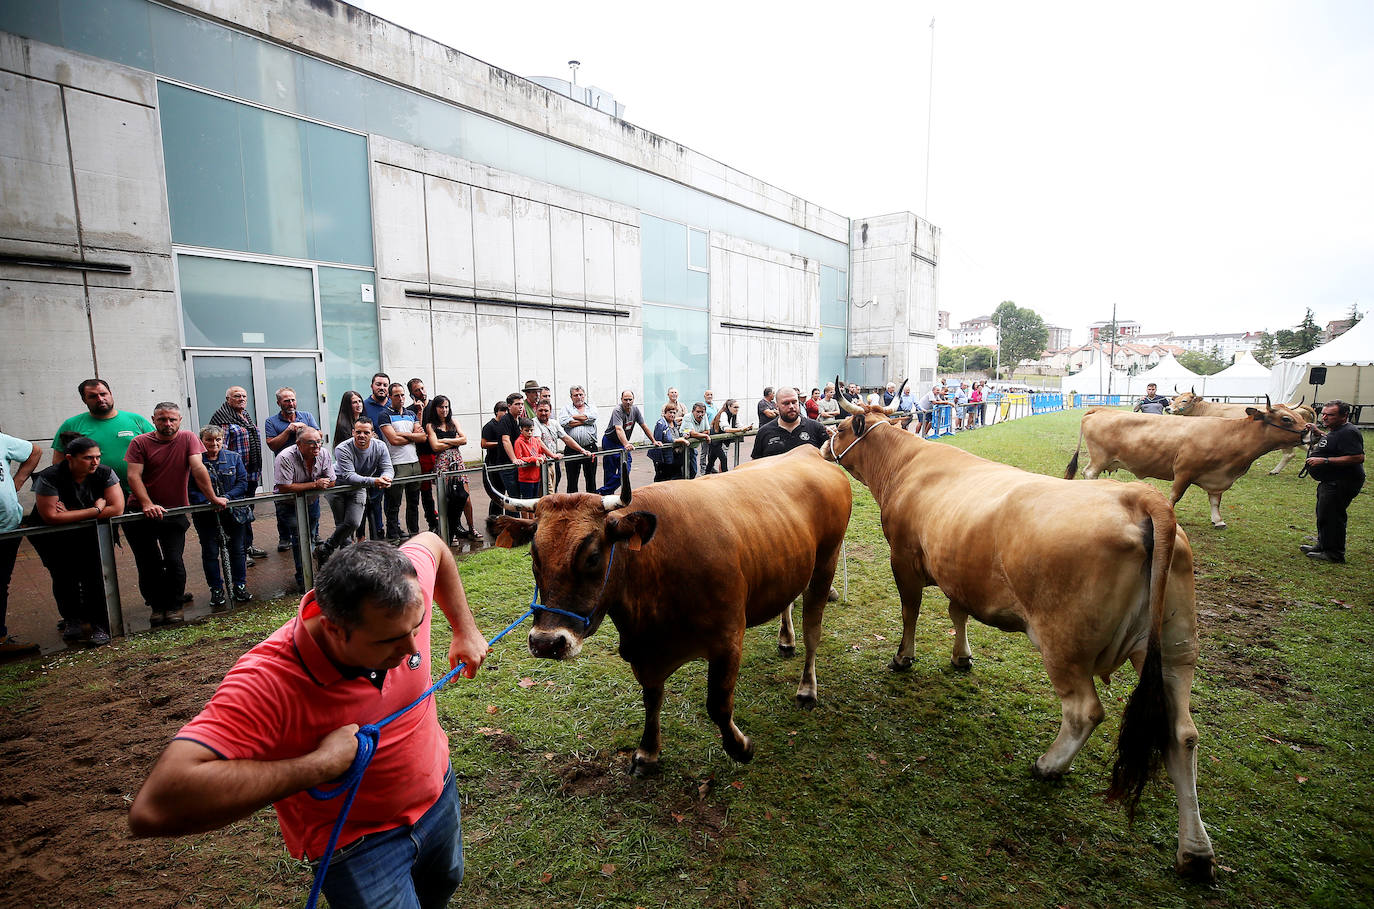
(114, 610)
(441, 505)
(302, 502)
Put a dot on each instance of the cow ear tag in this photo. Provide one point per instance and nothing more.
(504, 540)
(634, 543)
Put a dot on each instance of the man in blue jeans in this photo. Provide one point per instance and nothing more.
(284, 720)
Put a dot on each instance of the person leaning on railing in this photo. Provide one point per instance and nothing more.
(726, 422)
(75, 490)
(26, 455)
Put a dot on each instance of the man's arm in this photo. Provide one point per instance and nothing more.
(192, 790)
(27, 467)
(145, 503)
(391, 435)
(510, 449)
(282, 439)
(468, 646)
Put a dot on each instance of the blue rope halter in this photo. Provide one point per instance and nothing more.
(367, 736)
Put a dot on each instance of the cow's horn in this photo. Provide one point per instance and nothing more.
(1300, 400)
(1268, 405)
(1175, 388)
(845, 403)
(522, 504)
(1192, 390)
(611, 503)
(892, 408)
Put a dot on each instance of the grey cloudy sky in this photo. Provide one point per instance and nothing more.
(1206, 166)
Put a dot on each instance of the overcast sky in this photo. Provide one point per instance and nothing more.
(1206, 166)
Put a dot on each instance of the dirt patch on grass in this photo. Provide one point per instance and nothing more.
(76, 749)
(1237, 635)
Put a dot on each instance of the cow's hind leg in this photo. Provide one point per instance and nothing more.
(910, 586)
(721, 674)
(963, 656)
(645, 760)
(787, 637)
(1081, 712)
(1195, 858)
(814, 599)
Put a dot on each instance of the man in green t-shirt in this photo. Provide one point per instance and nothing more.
(108, 427)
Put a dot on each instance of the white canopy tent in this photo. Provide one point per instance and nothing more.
(1349, 362)
(1091, 382)
(1245, 378)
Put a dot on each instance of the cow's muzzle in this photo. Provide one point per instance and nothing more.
(554, 643)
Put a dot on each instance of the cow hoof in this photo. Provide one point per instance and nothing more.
(641, 766)
(1219, 524)
(806, 701)
(1044, 775)
(962, 664)
(901, 664)
(787, 651)
(1197, 867)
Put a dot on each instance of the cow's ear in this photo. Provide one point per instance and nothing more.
(1253, 414)
(635, 528)
(510, 531)
(858, 425)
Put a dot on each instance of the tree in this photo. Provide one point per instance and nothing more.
(1204, 364)
(967, 357)
(1023, 334)
(1267, 350)
(1290, 343)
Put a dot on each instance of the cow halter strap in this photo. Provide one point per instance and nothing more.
(537, 607)
(831, 442)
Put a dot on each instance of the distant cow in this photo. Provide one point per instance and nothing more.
(1191, 404)
(685, 573)
(1093, 573)
(1209, 452)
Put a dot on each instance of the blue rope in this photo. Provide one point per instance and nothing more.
(367, 746)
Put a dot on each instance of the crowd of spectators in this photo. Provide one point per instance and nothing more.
(107, 462)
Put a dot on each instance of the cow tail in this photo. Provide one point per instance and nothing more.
(1147, 724)
(1072, 470)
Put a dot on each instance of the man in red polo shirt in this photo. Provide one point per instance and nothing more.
(283, 721)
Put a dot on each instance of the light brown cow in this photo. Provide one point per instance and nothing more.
(1093, 573)
(683, 574)
(1208, 452)
(1191, 404)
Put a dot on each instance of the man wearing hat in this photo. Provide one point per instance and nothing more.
(531, 390)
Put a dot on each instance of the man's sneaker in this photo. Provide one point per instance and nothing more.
(70, 631)
(283, 546)
(10, 646)
(99, 637)
(157, 619)
(241, 594)
(256, 553)
(1306, 548)
(172, 617)
(1321, 556)
(217, 600)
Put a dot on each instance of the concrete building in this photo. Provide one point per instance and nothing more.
(1228, 344)
(1125, 328)
(287, 193)
(1059, 338)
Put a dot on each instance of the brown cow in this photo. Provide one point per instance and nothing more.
(1209, 452)
(686, 572)
(1093, 573)
(1191, 404)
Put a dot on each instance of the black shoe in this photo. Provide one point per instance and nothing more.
(1321, 556)
(70, 631)
(256, 553)
(217, 601)
(283, 547)
(241, 594)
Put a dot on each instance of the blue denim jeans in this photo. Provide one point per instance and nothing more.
(402, 868)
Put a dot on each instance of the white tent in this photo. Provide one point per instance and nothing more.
(1349, 362)
(1245, 378)
(1167, 373)
(1091, 382)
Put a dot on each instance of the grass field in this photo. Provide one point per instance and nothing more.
(903, 788)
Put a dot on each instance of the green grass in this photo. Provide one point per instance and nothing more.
(913, 788)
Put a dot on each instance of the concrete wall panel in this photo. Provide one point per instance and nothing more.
(569, 357)
(598, 251)
(533, 276)
(47, 351)
(629, 287)
(534, 351)
(496, 348)
(567, 244)
(406, 349)
(36, 200)
(399, 215)
(494, 242)
(456, 373)
(135, 332)
(629, 357)
(602, 387)
(448, 217)
(117, 154)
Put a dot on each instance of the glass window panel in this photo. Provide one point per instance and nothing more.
(439, 127)
(650, 192)
(200, 148)
(527, 155)
(351, 348)
(697, 255)
(334, 94)
(113, 29)
(266, 73)
(674, 204)
(834, 304)
(676, 354)
(273, 185)
(565, 165)
(211, 377)
(31, 19)
(391, 111)
(298, 374)
(338, 203)
(698, 289)
(832, 353)
(192, 49)
(652, 257)
(674, 263)
(484, 140)
(225, 303)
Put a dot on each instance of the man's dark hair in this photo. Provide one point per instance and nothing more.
(79, 445)
(369, 572)
(91, 383)
(500, 407)
(410, 383)
(1342, 407)
(393, 386)
(367, 420)
(382, 375)
(768, 390)
(514, 396)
